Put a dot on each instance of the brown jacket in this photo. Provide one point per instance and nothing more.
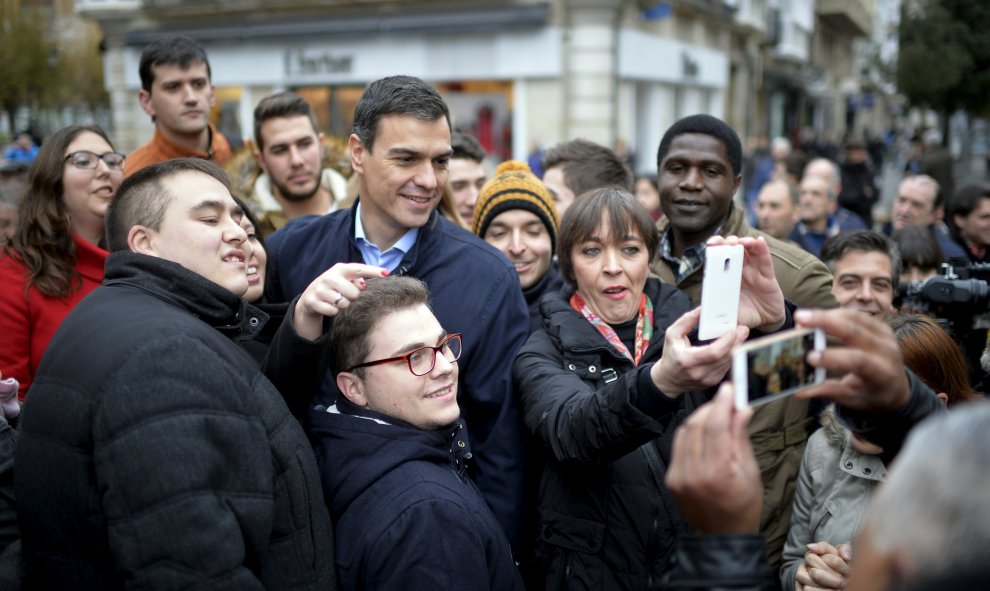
(779, 429)
(804, 279)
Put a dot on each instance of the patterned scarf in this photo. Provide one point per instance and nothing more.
(644, 326)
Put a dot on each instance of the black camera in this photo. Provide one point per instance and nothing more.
(959, 300)
(958, 293)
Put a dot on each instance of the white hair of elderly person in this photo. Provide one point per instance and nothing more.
(931, 519)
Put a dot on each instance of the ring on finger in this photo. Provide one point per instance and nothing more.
(340, 296)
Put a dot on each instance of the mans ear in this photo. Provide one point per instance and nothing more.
(735, 183)
(260, 159)
(939, 214)
(144, 97)
(140, 239)
(358, 153)
(943, 398)
(352, 387)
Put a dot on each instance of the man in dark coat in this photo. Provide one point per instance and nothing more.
(970, 216)
(919, 202)
(393, 453)
(859, 184)
(399, 150)
(153, 452)
(936, 162)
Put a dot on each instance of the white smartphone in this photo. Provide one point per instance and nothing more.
(775, 366)
(720, 290)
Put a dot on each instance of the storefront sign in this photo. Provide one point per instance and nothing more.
(299, 62)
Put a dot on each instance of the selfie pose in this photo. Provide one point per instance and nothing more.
(603, 382)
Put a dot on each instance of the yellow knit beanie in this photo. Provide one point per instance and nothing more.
(515, 187)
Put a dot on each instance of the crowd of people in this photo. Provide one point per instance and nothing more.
(432, 374)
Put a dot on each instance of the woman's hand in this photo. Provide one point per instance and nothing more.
(825, 567)
(685, 367)
(330, 293)
(761, 303)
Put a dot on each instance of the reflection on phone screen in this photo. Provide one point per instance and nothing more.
(780, 368)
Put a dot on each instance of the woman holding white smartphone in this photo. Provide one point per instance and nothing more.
(604, 383)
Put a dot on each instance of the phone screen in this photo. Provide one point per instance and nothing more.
(776, 366)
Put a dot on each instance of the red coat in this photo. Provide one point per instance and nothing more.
(28, 320)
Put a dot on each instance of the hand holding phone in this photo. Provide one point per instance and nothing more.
(720, 290)
(776, 366)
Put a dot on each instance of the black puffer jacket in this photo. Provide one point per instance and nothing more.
(154, 454)
(606, 520)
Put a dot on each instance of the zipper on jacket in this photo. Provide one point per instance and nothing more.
(565, 573)
(651, 540)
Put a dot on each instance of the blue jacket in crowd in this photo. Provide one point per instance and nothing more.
(406, 516)
(474, 290)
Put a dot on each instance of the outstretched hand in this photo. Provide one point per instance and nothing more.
(684, 367)
(869, 361)
(713, 473)
(330, 293)
(761, 302)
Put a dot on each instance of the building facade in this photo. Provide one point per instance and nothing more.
(515, 74)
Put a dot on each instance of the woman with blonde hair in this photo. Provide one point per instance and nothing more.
(56, 256)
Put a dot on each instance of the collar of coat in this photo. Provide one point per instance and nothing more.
(570, 331)
(173, 283)
(423, 241)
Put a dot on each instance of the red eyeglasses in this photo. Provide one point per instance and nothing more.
(422, 360)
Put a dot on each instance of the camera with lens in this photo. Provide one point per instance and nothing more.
(959, 299)
(958, 293)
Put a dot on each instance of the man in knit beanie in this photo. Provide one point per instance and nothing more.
(516, 215)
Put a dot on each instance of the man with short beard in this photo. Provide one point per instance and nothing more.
(290, 152)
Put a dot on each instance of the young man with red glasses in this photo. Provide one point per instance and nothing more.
(393, 453)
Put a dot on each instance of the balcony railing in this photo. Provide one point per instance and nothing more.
(104, 8)
(852, 17)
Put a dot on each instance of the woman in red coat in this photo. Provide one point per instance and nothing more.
(55, 258)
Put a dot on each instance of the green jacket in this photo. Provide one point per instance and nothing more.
(778, 430)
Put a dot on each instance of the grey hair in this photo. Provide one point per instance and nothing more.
(927, 182)
(933, 507)
(834, 171)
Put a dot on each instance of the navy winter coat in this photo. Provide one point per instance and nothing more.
(474, 290)
(406, 515)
